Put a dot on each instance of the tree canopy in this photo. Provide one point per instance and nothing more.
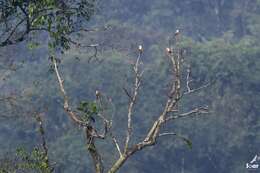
(19, 18)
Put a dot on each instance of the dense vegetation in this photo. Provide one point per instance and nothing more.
(222, 45)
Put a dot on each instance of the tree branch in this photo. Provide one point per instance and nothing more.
(200, 110)
(96, 157)
(197, 89)
(133, 100)
(66, 107)
(117, 145)
(90, 132)
(167, 134)
(43, 142)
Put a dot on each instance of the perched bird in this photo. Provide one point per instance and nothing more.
(140, 48)
(168, 50)
(97, 94)
(177, 32)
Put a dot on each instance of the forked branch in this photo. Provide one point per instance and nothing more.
(91, 133)
(171, 107)
(66, 106)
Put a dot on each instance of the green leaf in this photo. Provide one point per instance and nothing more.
(83, 106)
(94, 107)
(188, 142)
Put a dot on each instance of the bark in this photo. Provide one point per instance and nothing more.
(96, 157)
(119, 163)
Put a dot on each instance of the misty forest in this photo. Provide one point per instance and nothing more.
(129, 86)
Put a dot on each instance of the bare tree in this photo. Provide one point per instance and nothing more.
(169, 113)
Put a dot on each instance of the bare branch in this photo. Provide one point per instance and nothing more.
(167, 134)
(117, 145)
(188, 80)
(196, 111)
(94, 29)
(127, 93)
(197, 89)
(107, 123)
(133, 99)
(174, 97)
(66, 107)
(175, 92)
(81, 45)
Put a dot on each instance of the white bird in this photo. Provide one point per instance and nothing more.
(140, 48)
(177, 32)
(97, 94)
(168, 50)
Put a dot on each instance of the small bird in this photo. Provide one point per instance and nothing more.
(177, 32)
(140, 48)
(97, 94)
(168, 50)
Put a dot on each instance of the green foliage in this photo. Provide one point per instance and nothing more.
(89, 111)
(34, 161)
(58, 18)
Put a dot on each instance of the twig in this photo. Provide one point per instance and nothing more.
(200, 110)
(117, 145)
(197, 89)
(127, 93)
(106, 122)
(188, 80)
(166, 134)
